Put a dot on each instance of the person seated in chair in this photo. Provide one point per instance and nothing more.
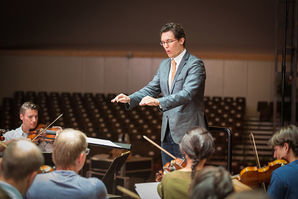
(29, 118)
(197, 145)
(285, 179)
(211, 182)
(19, 166)
(69, 155)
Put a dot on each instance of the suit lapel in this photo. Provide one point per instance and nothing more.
(182, 63)
(167, 72)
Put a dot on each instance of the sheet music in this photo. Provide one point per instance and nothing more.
(147, 190)
(102, 142)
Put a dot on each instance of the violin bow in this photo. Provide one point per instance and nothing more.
(152, 142)
(128, 192)
(257, 155)
(255, 148)
(45, 129)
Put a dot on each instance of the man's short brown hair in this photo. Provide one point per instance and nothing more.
(20, 159)
(28, 105)
(69, 144)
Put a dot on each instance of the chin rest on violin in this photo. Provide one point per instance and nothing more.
(253, 176)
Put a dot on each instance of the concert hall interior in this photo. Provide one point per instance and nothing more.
(75, 57)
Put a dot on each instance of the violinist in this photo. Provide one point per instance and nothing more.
(19, 166)
(197, 145)
(69, 155)
(284, 180)
(29, 118)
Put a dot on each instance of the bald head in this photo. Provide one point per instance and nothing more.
(20, 159)
(68, 146)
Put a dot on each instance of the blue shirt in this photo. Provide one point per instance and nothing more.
(15, 134)
(284, 181)
(63, 184)
(10, 190)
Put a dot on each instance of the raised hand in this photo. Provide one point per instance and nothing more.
(121, 98)
(149, 101)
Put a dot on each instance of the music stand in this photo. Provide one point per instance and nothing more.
(109, 179)
(229, 143)
(48, 159)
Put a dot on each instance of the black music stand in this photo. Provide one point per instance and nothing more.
(109, 179)
(229, 143)
(48, 159)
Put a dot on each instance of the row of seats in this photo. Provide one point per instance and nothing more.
(95, 115)
(265, 110)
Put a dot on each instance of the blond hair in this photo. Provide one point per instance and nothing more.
(69, 144)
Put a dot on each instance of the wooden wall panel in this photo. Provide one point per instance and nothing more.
(235, 78)
(250, 79)
(214, 77)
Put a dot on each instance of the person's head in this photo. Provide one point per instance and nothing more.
(70, 150)
(198, 145)
(285, 143)
(255, 194)
(211, 183)
(172, 39)
(21, 162)
(29, 115)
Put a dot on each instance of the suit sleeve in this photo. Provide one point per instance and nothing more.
(151, 89)
(194, 83)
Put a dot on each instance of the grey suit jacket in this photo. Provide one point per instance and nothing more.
(183, 105)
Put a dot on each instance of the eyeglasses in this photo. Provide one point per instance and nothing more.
(87, 150)
(169, 41)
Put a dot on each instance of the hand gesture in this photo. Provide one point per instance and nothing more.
(149, 101)
(121, 98)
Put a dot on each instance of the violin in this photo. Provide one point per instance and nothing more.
(45, 134)
(254, 176)
(173, 165)
(45, 169)
(2, 131)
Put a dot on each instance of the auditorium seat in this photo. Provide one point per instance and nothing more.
(95, 115)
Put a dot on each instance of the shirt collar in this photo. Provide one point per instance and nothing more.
(179, 57)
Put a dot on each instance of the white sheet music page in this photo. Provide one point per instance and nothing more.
(147, 190)
(102, 142)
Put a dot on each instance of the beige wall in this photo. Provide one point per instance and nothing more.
(245, 78)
